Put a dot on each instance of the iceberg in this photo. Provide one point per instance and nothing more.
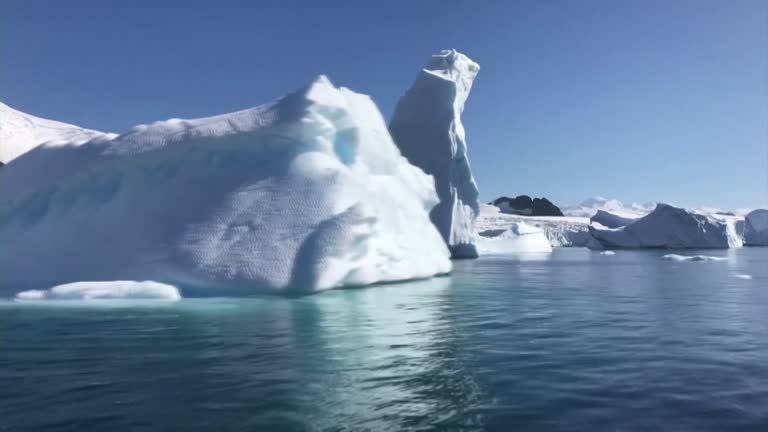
(519, 237)
(303, 194)
(21, 132)
(560, 231)
(756, 228)
(427, 127)
(108, 290)
(670, 227)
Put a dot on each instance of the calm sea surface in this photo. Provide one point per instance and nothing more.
(572, 341)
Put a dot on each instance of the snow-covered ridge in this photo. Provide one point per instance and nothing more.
(590, 206)
(303, 194)
(427, 128)
(21, 132)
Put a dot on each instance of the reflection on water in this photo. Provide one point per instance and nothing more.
(574, 340)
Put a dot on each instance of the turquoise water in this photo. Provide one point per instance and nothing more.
(571, 341)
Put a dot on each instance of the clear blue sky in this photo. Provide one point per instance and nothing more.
(637, 100)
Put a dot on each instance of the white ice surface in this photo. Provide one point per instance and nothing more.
(517, 237)
(590, 206)
(303, 194)
(671, 227)
(107, 290)
(706, 258)
(21, 132)
(560, 231)
(756, 228)
(427, 127)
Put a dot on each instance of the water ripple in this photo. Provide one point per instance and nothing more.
(569, 343)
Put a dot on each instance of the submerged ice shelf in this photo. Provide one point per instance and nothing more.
(694, 258)
(303, 194)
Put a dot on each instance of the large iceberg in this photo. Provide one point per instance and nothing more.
(756, 228)
(21, 132)
(671, 227)
(427, 127)
(303, 194)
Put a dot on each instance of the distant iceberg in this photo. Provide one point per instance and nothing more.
(560, 231)
(427, 127)
(516, 238)
(671, 227)
(303, 194)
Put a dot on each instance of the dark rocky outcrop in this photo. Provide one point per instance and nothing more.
(527, 206)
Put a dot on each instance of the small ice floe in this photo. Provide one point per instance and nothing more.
(743, 276)
(675, 257)
(608, 253)
(107, 290)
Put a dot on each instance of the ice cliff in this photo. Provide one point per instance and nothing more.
(756, 228)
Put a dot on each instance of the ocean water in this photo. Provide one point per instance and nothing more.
(570, 341)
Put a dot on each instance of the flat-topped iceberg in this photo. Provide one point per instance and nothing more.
(670, 227)
(303, 194)
(756, 228)
(427, 127)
